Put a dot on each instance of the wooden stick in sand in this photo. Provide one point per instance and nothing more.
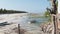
(18, 28)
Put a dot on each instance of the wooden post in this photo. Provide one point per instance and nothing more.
(54, 11)
(55, 24)
(54, 21)
(18, 28)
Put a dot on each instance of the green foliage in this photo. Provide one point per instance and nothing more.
(47, 14)
(4, 11)
(57, 3)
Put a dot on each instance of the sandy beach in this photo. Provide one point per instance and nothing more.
(27, 28)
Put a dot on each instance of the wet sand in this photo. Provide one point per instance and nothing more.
(8, 29)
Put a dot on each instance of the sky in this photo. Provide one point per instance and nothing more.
(31, 6)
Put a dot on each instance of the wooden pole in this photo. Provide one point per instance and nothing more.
(18, 28)
(55, 24)
(53, 12)
(54, 17)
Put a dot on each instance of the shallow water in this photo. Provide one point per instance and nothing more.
(23, 21)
